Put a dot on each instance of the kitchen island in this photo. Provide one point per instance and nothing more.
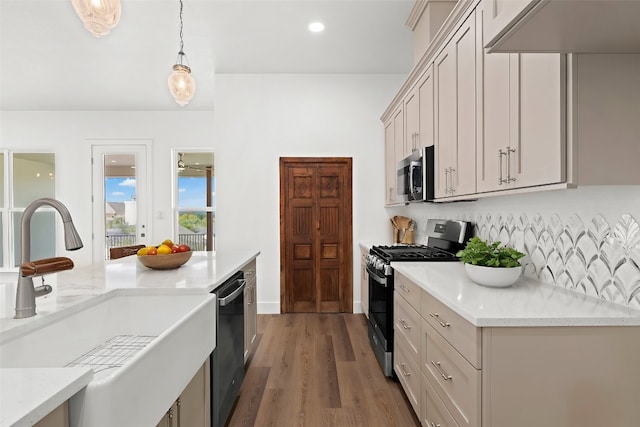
(528, 355)
(94, 284)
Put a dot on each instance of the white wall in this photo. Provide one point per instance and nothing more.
(258, 119)
(68, 134)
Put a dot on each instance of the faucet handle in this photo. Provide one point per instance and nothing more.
(45, 266)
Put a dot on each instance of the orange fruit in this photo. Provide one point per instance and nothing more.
(168, 242)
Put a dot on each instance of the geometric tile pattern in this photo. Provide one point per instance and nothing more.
(590, 256)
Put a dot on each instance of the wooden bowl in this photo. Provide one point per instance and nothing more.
(166, 261)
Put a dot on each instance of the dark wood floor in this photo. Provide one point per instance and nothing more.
(318, 370)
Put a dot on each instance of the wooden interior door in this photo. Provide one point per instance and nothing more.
(316, 235)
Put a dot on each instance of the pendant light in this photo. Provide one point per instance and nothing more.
(98, 16)
(181, 85)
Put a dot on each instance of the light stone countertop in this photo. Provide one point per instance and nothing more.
(528, 302)
(28, 394)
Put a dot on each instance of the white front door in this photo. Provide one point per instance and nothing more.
(120, 195)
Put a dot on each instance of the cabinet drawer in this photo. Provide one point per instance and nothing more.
(434, 412)
(407, 325)
(454, 378)
(408, 372)
(409, 290)
(461, 334)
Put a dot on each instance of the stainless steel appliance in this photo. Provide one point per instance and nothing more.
(416, 176)
(227, 359)
(445, 238)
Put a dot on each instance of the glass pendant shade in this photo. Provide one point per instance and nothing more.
(181, 85)
(98, 16)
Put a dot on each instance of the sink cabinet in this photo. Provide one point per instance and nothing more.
(463, 375)
(192, 408)
(59, 417)
(250, 309)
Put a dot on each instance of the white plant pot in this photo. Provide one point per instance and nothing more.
(495, 277)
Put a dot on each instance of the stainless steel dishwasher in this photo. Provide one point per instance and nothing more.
(227, 359)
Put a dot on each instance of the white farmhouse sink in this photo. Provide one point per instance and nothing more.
(180, 332)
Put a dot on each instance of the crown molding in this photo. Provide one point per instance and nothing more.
(462, 9)
(416, 12)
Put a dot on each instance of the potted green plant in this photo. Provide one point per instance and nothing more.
(490, 264)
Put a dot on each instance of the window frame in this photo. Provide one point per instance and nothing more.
(174, 199)
(8, 208)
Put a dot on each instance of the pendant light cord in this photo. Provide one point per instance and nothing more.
(181, 42)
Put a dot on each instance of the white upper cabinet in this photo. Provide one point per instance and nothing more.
(455, 113)
(412, 121)
(584, 26)
(521, 132)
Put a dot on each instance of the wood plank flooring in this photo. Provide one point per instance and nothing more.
(318, 370)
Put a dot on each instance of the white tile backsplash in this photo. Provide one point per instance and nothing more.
(586, 240)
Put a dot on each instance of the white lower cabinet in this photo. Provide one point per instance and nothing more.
(434, 411)
(193, 407)
(59, 417)
(406, 347)
(364, 282)
(522, 376)
(250, 309)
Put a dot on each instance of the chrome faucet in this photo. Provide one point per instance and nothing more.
(26, 293)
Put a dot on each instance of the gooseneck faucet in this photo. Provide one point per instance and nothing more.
(26, 293)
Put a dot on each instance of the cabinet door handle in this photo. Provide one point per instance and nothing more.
(442, 373)
(500, 154)
(437, 317)
(404, 371)
(452, 184)
(509, 151)
(446, 180)
(404, 288)
(404, 324)
(432, 424)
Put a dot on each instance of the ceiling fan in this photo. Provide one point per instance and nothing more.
(182, 165)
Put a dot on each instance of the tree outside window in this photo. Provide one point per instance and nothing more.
(196, 200)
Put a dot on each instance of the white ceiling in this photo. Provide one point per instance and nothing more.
(50, 62)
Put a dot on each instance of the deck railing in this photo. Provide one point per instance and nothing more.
(197, 242)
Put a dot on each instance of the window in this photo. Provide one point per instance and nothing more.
(195, 200)
(25, 177)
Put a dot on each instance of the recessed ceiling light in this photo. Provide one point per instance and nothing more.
(316, 27)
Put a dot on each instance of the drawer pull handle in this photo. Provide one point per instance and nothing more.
(404, 288)
(437, 317)
(404, 324)
(404, 371)
(432, 424)
(442, 373)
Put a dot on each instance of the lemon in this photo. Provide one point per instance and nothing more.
(142, 251)
(168, 242)
(164, 249)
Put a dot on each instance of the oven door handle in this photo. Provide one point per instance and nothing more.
(373, 275)
(233, 295)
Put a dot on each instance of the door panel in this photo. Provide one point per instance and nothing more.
(316, 236)
(120, 214)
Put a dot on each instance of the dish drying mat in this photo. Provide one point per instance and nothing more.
(113, 353)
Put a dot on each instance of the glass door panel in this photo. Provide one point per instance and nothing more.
(120, 189)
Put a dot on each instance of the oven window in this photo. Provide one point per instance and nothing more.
(380, 303)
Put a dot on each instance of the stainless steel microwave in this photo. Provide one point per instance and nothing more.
(416, 176)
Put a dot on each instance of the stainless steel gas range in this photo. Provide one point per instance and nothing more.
(445, 238)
